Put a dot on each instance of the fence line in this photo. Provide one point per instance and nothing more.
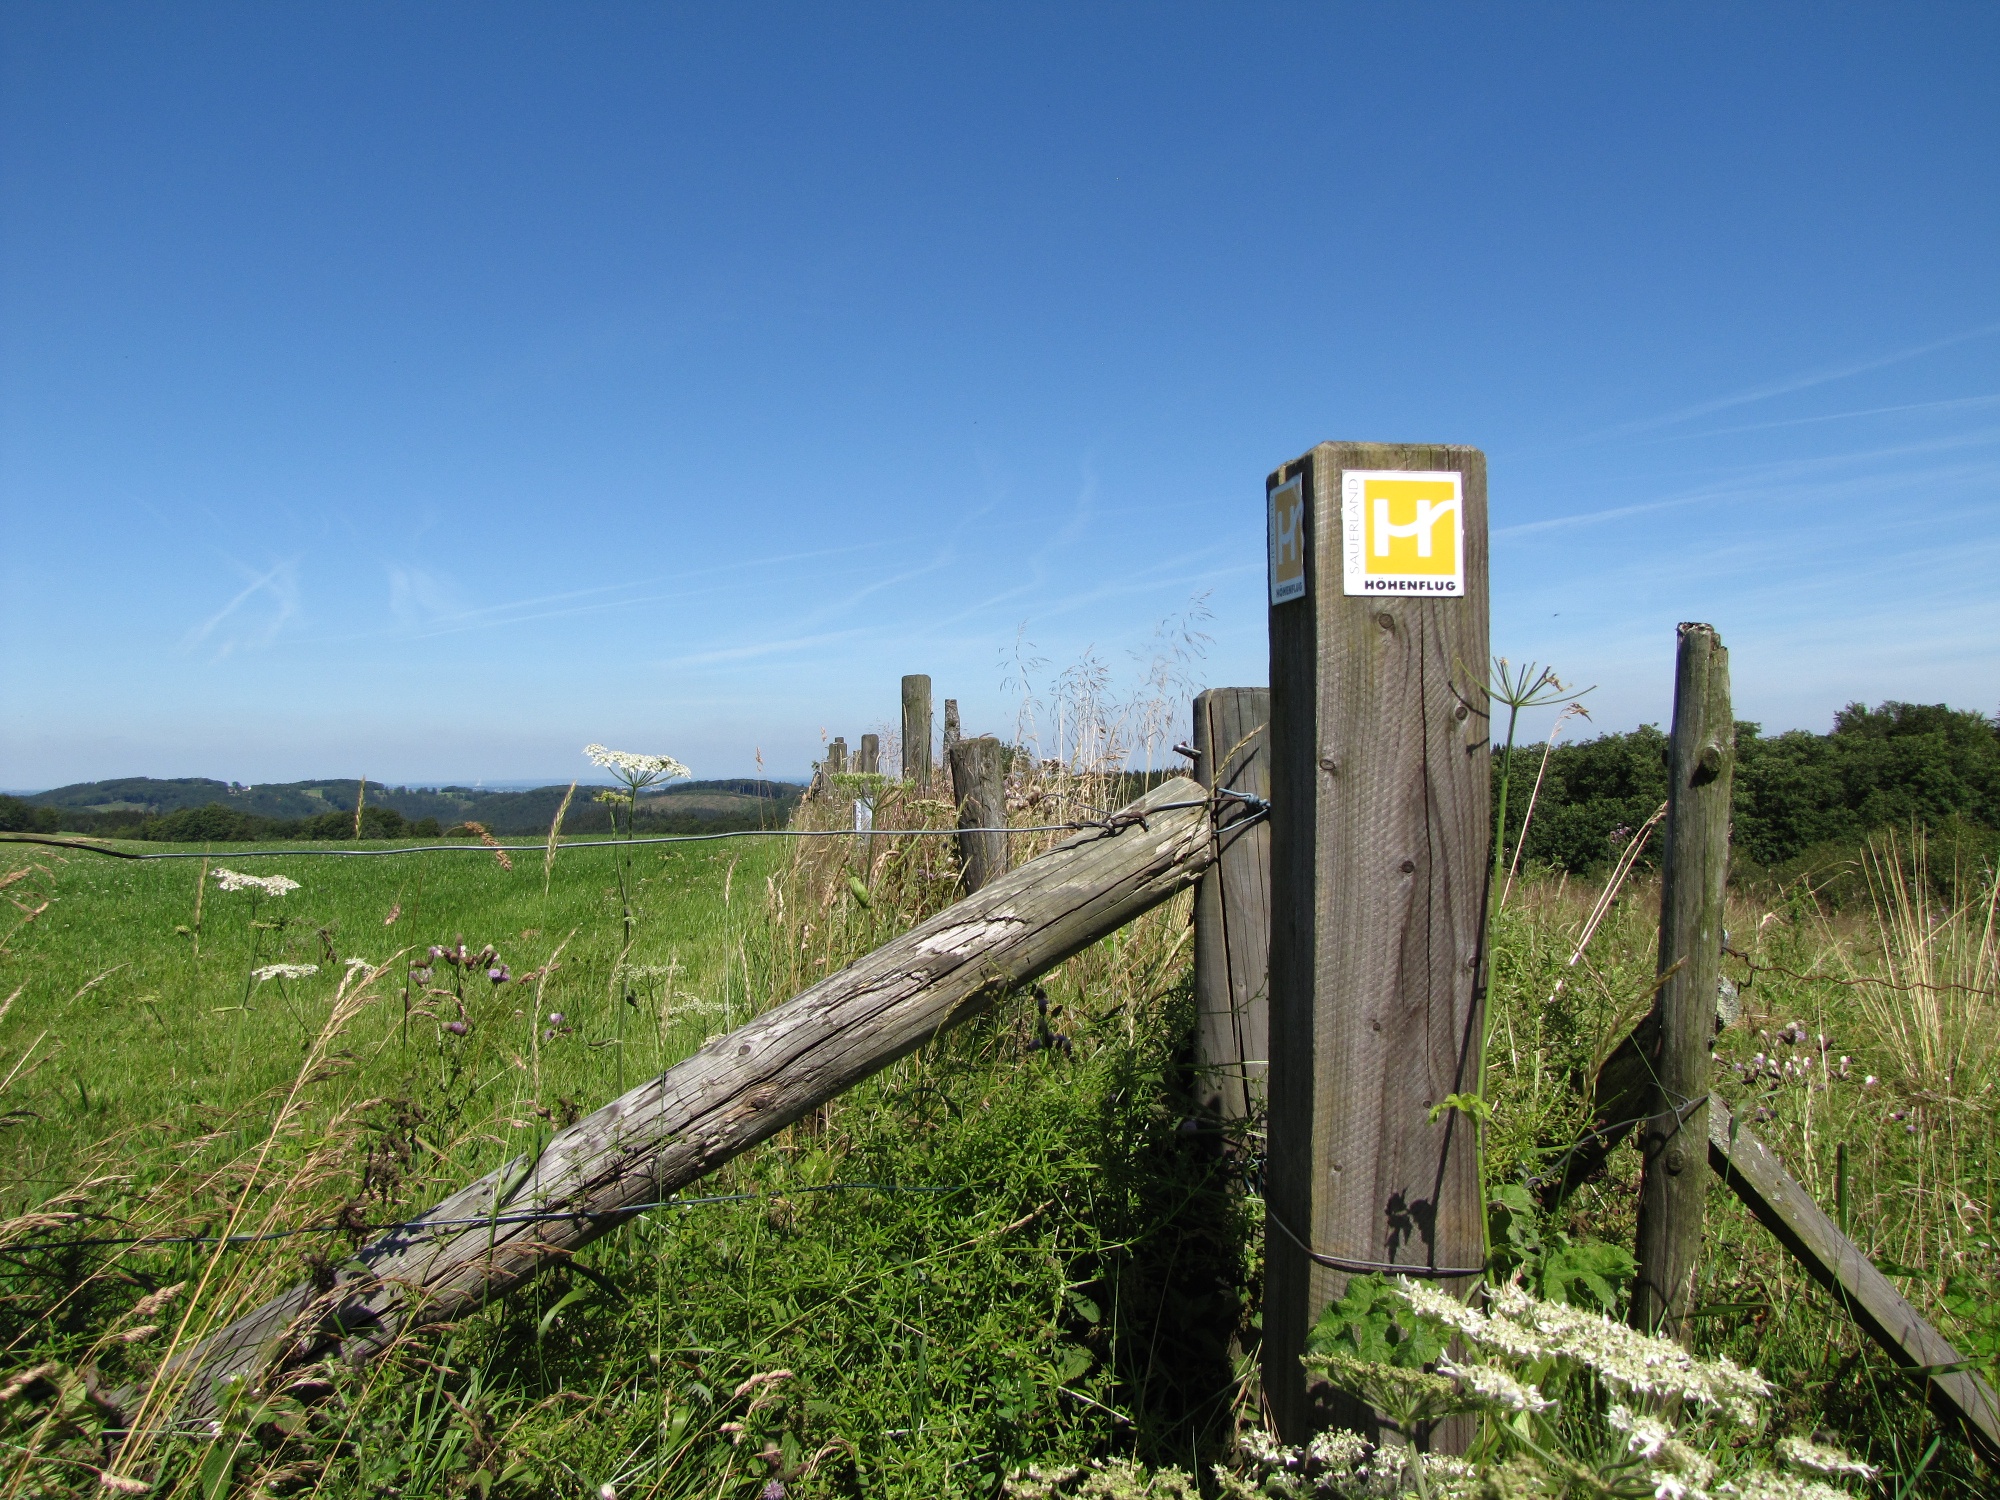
(1256, 805)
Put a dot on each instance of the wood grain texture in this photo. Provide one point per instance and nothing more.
(1232, 907)
(1785, 1208)
(979, 788)
(1695, 864)
(869, 761)
(1379, 847)
(737, 1091)
(917, 729)
(951, 734)
(836, 757)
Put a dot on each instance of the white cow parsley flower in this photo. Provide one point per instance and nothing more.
(284, 971)
(637, 770)
(1819, 1458)
(270, 885)
(1496, 1387)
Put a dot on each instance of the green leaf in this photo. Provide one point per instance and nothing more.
(859, 890)
(1465, 1104)
(574, 1294)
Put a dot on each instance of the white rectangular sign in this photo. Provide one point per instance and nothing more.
(1402, 532)
(1287, 526)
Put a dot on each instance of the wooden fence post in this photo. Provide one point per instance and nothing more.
(980, 791)
(1380, 841)
(869, 762)
(952, 733)
(1672, 1188)
(917, 729)
(1232, 908)
(836, 757)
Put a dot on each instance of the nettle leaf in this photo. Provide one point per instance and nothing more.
(1587, 1274)
(1372, 1324)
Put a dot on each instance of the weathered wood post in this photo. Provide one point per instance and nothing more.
(836, 757)
(1673, 1145)
(951, 730)
(917, 729)
(869, 761)
(1232, 907)
(1379, 849)
(980, 791)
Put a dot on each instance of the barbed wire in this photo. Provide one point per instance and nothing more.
(533, 1217)
(1110, 824)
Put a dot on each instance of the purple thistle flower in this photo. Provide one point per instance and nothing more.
(457, 1028)
(498, 974)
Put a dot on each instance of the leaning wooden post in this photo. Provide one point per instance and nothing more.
(1673, 1146)
(952, 734)
(1379, 844)
(869, 762)
(1232, 906)
(917, 730)
(980, 791)
(739, 1089)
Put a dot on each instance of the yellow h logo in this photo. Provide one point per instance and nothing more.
(1403, 533)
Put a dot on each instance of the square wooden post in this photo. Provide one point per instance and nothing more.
(1380, 835)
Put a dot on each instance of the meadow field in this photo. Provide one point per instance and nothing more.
(1021, 1246)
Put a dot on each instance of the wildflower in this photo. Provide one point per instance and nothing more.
(1644, 1435)
(555, 1018)
(607, 1491)
(284, 971)
(118, 1484)
(1496, 1387)
(1821, 1458)
(457, 1028)
(1870, 1081)
(643, 770)
(499, 974)
(270, 885)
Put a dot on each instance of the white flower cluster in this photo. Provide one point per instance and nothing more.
(1522, 1327)
(1676, 1471)
(270, 885)
(1494, 1386)
(284, 971)
(1818, 1458)
(644, 769)
(1338, 1465)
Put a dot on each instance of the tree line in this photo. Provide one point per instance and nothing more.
(1799, 798)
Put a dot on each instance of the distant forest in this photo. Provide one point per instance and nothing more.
(198, 810)
(1801, 799)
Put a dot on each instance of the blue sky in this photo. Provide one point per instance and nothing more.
(423, 391)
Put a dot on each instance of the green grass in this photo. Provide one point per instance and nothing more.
(1084, 1285)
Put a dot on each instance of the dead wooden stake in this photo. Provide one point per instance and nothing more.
(1232, 905)
(1785, 1208)
(738, 1090)
(836, 756)
(1379, 850)
(980, 791)
(952, 734)
(869, 761)
(917, 730)
(1673, 1189)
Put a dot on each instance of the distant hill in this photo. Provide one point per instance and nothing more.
(144, 806)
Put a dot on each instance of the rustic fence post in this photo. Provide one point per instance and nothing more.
(836, 757)
(1673, 1147)
(951, 730)
(980, 791)
(1232, 908)
(869, 762)
(1379, 847)
(917, 730)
